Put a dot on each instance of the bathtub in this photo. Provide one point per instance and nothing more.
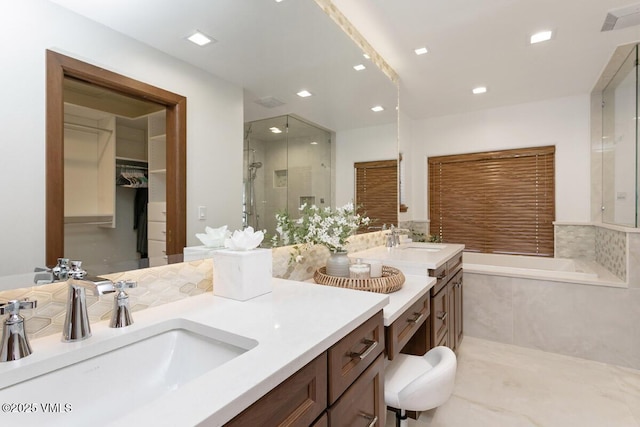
(531, 267)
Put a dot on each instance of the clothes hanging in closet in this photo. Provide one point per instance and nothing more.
(140, 220)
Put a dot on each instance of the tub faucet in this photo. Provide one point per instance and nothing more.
(15, 344)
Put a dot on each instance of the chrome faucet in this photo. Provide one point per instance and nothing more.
(121, 314)
(393, 238)
(76, 322)
(15, 344)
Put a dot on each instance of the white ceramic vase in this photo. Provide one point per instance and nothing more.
(338, 264)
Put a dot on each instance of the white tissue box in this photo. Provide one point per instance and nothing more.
(242, 275)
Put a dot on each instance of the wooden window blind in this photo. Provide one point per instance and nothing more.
(377, 190)
(495, 202)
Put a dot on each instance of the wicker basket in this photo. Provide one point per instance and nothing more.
(392, 279)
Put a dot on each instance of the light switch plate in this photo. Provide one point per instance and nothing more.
(202, 212)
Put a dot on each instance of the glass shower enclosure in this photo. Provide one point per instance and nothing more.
(287, 162)
(619, 145)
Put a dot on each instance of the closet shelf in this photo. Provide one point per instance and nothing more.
(89, 219)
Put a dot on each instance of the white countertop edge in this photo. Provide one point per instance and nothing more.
(414, 288)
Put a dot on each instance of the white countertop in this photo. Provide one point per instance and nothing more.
(412, 290)
(411, 258)
(292, 325)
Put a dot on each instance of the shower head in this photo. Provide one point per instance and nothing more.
(255, 165)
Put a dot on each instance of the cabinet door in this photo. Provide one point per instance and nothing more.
(440, 316)
(458, 318)
(363, 403)
(296, 402)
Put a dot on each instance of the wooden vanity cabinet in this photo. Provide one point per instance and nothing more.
(363, 402)
(455, 307)
(341, 387)
(446, 303)
(298, 401)
(409, 332)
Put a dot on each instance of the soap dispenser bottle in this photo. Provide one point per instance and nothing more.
(15, 344)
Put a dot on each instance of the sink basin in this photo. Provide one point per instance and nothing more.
(124, 374)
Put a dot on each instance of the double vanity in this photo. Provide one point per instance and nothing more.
(304, 352)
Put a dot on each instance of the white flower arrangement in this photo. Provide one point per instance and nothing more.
(325, 226)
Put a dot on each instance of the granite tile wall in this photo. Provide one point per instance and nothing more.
(591, 322)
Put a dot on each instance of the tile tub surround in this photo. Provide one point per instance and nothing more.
(504, 385)
(590, 322)
(575, 241)
(611, 251)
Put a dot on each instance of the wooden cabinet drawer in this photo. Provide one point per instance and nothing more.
(400, 331)
(349, 357)
(445, 272)
(157, 230)
(363, 403)
(157, 211)
(440, 316)
(440, 274)
(298, 401)
(454, 264)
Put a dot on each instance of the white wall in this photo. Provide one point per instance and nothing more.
(214, 122)
(562, 122)
(361, 145)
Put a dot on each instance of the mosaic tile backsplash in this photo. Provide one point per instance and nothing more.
(611, 251)
(162, 285)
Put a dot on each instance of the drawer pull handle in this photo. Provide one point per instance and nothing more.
(442, 315)
(373, 419)
(442, 276)
(416, 319)
(371, 344)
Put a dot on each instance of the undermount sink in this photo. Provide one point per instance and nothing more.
(125, 373)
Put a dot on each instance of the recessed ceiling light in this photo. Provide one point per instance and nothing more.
(200, 38)
(377, 108)
(304, 93)
(421, 51)
(359, 67)
(314, 143)
(366, 55)
(479, 90)
(275, 130)
(278, 1)
(542, 36)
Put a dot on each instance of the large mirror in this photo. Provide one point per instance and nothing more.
(265, 51)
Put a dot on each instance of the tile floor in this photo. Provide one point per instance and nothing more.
(504, 385)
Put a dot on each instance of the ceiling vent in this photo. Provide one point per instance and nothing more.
(269, 102)
(623, 17)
